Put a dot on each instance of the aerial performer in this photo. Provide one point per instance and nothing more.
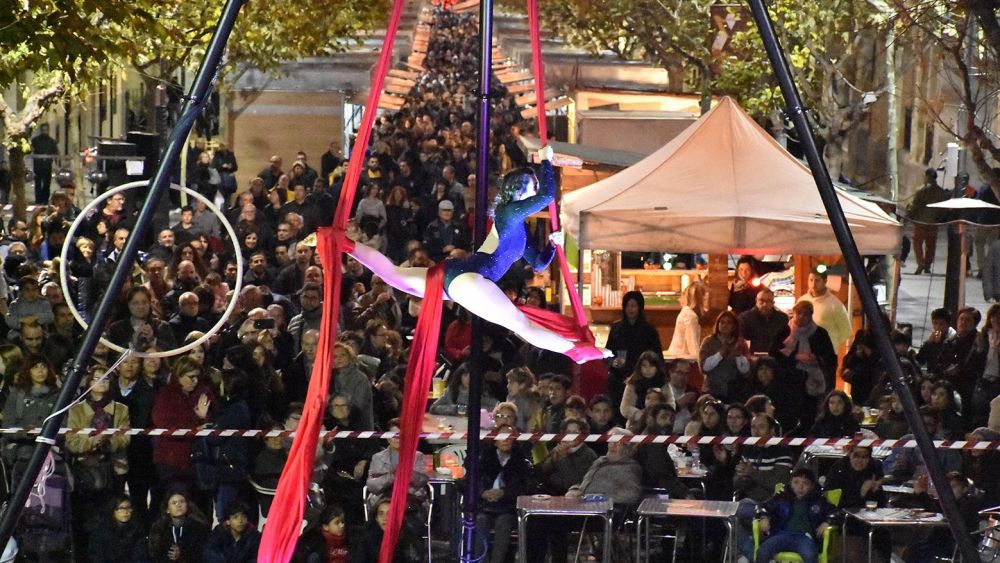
(471, 281)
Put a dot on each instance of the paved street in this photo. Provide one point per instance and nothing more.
(919, 295)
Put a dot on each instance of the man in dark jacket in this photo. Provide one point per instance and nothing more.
(505, 474)
(445, 233)
(762, 324)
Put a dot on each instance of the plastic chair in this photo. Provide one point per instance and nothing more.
(833, 497)
(261, 491)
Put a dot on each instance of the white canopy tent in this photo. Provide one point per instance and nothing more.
(722, 186)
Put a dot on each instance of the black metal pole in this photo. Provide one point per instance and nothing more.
(470, 551)
(200, 90)
(855, 266)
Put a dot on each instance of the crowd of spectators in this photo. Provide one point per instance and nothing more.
(755, 371)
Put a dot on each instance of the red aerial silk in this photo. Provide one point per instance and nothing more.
(284, 522)
(581, 331)
(419, 372)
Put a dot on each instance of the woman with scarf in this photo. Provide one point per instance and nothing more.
(805, 348)
(725, 360)
(100, 460)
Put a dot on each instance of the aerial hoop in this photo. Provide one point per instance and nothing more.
(64, 278)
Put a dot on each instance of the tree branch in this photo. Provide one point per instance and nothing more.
(19, 127)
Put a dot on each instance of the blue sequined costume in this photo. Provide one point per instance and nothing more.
(510, 241)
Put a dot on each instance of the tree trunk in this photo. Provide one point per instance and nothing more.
(17, 173)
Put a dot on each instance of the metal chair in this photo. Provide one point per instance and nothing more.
(431, 496)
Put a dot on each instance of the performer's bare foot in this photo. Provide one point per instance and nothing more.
(583, 353)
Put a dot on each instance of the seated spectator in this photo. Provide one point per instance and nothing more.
(795, 519)
(940, 543)
(836, 420)
(180, 531)
(858, 477)
(116, 535)
(522, 392)
(555, 411)
(349, 381)
(326, 540)
(649, 373)
(904, 464)
(637, 424)
(891, 424)
(234, 540)
(762, 467)
(683, 393)
(658, 468)
(567, 463)
(455, 399)
(946, 401)
(504, 474)
(382, 472)
(344, 478)
(980, 466)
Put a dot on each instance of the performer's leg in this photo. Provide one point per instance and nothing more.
(409, 280)
(483, 298)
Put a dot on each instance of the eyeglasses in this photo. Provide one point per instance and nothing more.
(127, 508)
(340, 405)
(502, 415)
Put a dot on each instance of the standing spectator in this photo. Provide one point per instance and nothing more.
(225, 162)
(141, 329)
(725, 360)
(805, 347)
(445, 234)
(828, 311)
(330, 161)
(743, 292)
(269, 176)
(99, 460)
(629, 338)
(761, 324)
(686, 341)
(29, 304)
(31, 400)
(925, 220)
(44, 150)
(184, 403)
(137, 395)
(399, 226)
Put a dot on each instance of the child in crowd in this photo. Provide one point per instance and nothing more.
(794, 519)
(327, 541)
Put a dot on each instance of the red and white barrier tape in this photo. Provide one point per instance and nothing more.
(189, 433)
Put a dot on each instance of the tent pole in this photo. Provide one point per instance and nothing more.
(855, 266)
(471, 501)
(193, 105)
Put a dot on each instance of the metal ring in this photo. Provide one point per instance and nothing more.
(64, 278)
